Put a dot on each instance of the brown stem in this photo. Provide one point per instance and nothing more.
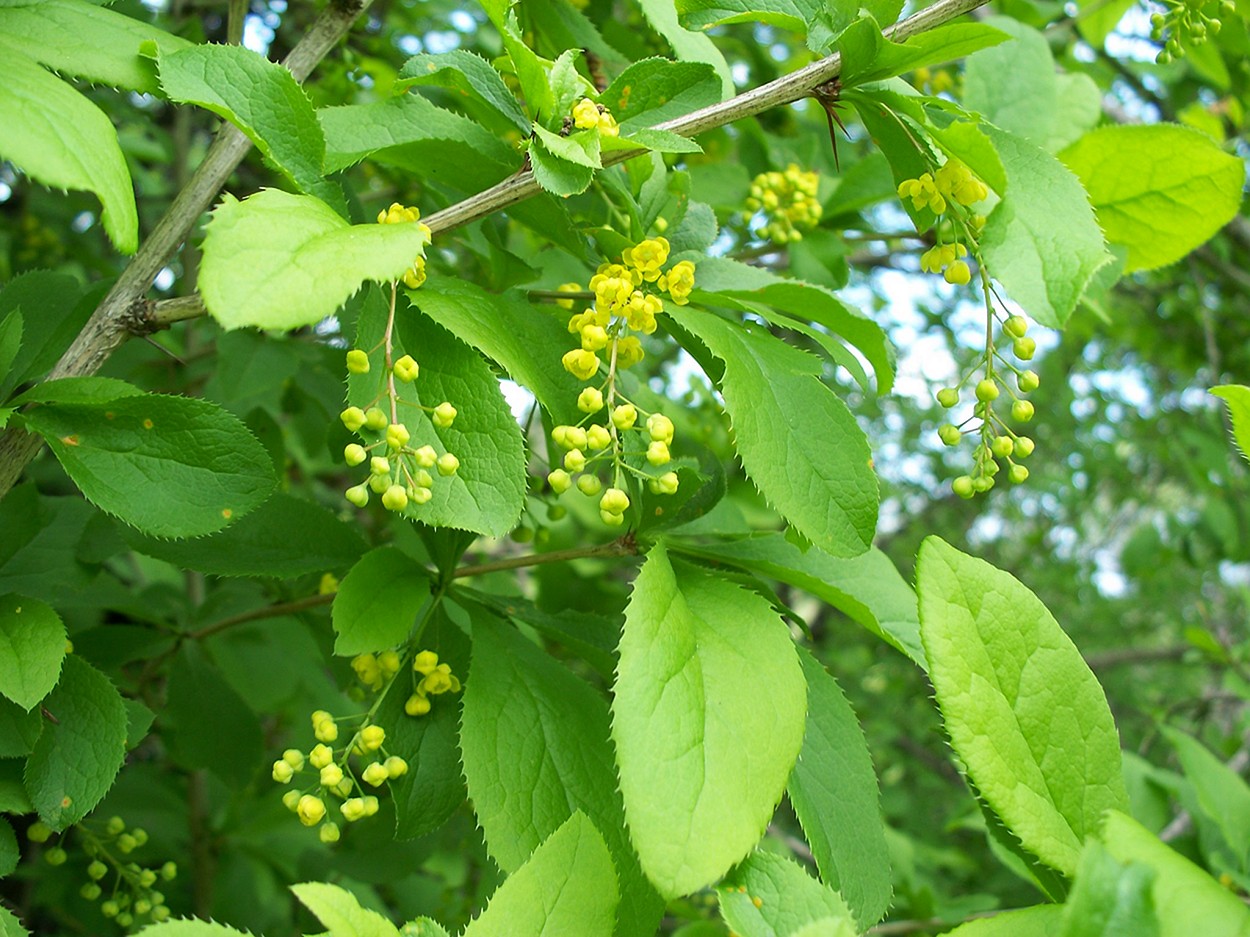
(623, 546)
(269, 611)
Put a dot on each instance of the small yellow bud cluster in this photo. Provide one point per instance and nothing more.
(953, 184)
(132, 895)
(587, 115)
(430, 678)
(398, 214)
(945, 259)
(998, 440)
(934, 82)
(376, 670)
(334, 773)
(789, 200)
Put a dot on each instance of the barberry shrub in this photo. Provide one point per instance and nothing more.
(437, 557)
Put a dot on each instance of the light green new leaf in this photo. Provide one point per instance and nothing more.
(933, 47)
(581, 148)
(487, 493)
(567, 887)
(169, 466)
(1042, 921)
(86, 40)
(10, 926)
(190, 928)
(1237, 397)
(834, 793)
(512, 332)
(377, 602)
(1022, 709)
(283, 538)
(1222, 793)
(340, 913)
(1187, 900)
(260, 97)
(1028, 104)
(423, 927)
(866, 588)
(467, 73)
(700, 760)
(60, 139)
(32, 646)
(788, 900)
(557, 175)
(688, 45)
(77, 757)
(798, 442)
(1110, 899)
(1160, 190)
(280, 261)
(654, 90)
(535, 746)
(1041, 241)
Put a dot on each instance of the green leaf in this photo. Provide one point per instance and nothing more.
(1042, 921)
(377, 602)
(1160, 190)
(933, 47)
(1099, 18)
(581, 147)
(1022, 709)
(535, 744)
(260, 97)
(19, 729)
(726, 279)
(798, 442)
(42, 541)
(433, 789)
(768, 896)
(655, 90)
(1187, 901)
(283, 538)
(76, 757)
(280, 261)
(557, 175)
(87, 41)
(1222, 793)
(1111, 899)
(1237, 398)
(191, 929)
(9, 853)
(10, 926)
(45, 335)
(469, 74)
(10, 341)
(13, 796)
(567, 887)
(1028, 104)
(60, 139)
(78, 390)
(867, 588)
(688, 45)
(488, 491)
(833, 790)
(511, 331)
(662, 141)
(1041, 241)
(340, 913)
(32, 646)
(680, 719)
(821, 22)
(170, 466)
(224, 737)
(423, 927)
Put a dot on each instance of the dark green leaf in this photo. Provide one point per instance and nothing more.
(378, 602)
(655, 90)
(32, 646)
(211, 726)
(468, 74)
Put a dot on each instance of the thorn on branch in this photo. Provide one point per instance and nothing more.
(829, 94)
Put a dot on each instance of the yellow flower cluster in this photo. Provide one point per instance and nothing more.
(789, 199)
(398, 214)
(335, 776)
(587, 115)
(944, 259)
(436, 679)
(952, 182)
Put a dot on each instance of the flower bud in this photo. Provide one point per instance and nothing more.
(357, 362)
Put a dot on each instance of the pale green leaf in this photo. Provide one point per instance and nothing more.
(77, 757)
(535, 745)
(557, 175)
(654, 90)
(581, 147)
(169, 466)
(1110, 899)
(377, 602)
(1222, 793)
(283, 538)
(191, 928)
(423, 927)
(662, 141)
(516, 334)
(1160, 190)
(280, 261)
(60, 139)
(833, 790)
(32, 646)
(340, 913)
(867, 588)
(487, 493)
(1042, 921)
(86, 40)
(1041, 241)
(680, 718)
(688, 45)
(1187, 901)
(567, 887)
(1099, 18)
(798, 442)
(768, 896)
(260, 97)
(10, 926)
(1022, 709)
(1080, 104)
(1237, 397)
(469, 74)
(1028, 104)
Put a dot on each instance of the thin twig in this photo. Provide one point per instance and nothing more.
(269, 611)
(623, 546)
